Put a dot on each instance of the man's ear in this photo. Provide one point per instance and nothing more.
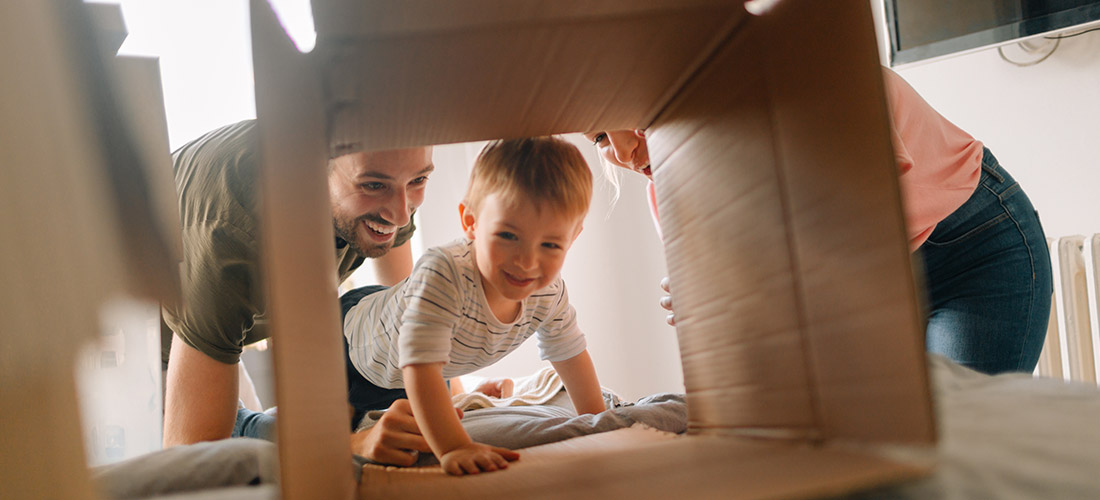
(468, 219)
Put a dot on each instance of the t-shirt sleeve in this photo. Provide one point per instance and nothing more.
(433, 304)
(559, 337)
(218, 279)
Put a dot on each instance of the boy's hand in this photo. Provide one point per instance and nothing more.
(473, 458)
(497, 388)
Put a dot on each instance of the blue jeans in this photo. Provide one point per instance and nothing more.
(988, 278)
(254, 424)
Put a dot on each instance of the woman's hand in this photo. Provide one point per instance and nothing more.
(666, 302)
(474, 458)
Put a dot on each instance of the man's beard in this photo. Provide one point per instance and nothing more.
(346, 230)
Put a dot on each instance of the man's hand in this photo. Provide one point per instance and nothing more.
(395, 439)
(497, 388)
(473, 458)
(666, 302)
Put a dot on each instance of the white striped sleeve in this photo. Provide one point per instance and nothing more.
(559, 337)
(433, 305)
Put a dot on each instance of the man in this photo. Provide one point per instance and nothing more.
(373, 197)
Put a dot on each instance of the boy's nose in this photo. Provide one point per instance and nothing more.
(525, 259)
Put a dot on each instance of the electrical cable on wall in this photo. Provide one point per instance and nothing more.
(1029, 47)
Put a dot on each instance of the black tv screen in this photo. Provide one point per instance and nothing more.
(926, 29)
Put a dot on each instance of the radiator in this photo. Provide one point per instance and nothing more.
(1072, 346)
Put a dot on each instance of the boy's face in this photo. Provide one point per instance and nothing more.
(518, 248)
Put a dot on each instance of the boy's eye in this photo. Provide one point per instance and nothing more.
(600, 137)
(506, 235)
(550, 245)
(419, 180)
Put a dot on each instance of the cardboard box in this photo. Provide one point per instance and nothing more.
(83, 222)
(798, 323)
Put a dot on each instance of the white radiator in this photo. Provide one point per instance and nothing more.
(1072, 346)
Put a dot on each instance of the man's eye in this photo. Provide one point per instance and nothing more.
(506, 235)
(373, 186)
(419, 180)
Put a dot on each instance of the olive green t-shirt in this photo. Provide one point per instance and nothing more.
(216, 187)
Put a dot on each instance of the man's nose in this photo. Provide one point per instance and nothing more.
(397, 209)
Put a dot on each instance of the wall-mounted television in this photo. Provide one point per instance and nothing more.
(926, 29)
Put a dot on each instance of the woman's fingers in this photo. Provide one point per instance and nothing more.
(666, 302)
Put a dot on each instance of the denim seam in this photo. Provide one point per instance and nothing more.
(992, 171)
(1031, 289)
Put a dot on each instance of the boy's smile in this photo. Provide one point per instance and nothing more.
(518, 248)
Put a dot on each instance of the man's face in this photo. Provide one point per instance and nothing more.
(374, 194)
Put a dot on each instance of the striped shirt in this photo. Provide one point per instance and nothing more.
(439, 315)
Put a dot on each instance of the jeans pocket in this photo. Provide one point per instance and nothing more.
(951, 236)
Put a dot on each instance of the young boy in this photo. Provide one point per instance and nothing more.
(469, 303)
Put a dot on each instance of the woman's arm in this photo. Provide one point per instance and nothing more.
(579, 376)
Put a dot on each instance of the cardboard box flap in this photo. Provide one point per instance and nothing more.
(639, 463)
(374, 19)
(537, 69)
(779, 202)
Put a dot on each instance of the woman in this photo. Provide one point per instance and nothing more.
(986, 262)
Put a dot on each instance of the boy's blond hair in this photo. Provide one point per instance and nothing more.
(547, 171)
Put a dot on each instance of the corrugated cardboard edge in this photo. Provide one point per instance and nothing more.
(298, 266)
(641, 463)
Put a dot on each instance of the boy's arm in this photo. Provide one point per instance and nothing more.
(431, 405)
(579, 376)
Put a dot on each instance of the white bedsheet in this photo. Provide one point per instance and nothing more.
(1009, 437)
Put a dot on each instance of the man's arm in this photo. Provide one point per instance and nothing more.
(579, 376)
(394, 266)
(200, 403)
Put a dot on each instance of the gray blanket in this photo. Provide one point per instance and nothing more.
(205, 470)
